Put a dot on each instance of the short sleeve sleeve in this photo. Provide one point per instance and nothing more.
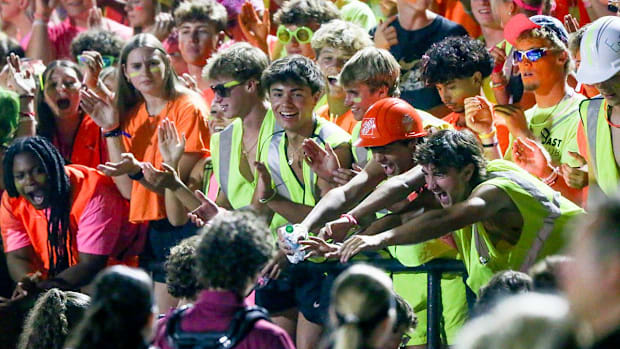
(191, 120)
(14, 234)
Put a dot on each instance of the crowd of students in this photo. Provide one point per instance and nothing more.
(179, 162)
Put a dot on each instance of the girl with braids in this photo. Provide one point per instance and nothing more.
(362, 308)
(63, 221)
(149, 92)
(122, 312)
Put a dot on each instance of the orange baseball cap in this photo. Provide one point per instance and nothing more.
(389, 120)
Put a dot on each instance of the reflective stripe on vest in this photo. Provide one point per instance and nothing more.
(226, 137)
(273, 159)
(361, 156)
(554, 212)
(594, 106)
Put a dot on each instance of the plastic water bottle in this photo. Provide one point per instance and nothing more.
(292, 235)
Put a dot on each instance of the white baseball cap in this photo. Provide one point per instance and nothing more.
(600, 51)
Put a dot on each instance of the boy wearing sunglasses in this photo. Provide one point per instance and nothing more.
(544, 136)
(334, 43)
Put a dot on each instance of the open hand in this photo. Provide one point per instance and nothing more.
(576, 177)
(532, 157)
(386, 35)
(171, 146)
(515, 120)
(478, 115)
(254, 28)
(323, 162)
(20, 80)
(127, 166)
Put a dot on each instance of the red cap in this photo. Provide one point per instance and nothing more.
(517, 25)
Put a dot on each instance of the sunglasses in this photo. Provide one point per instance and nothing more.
(532, 55)
(223, 90)
(107, 60)
(303, 35)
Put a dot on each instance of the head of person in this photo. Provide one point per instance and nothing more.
(144, 69)
(592, 281)
(456, 66)
(370, 75)
(141, 13)
(107, 43)
(541, 52)
(415, 5)
(600, 58)
(504, 10)
(233, 8)
(34, 170)
(59, 97)
(574, 42)
(294, 85)
(76, 8)
(181, 276)
(122, 311)
(201, 25)
(392, 129)
(234, 75)
(546, 274)
(406, 321)
(232, 251)
(52, 318)
(297, 22)
(216, 120)
(502, 285)
(11, 9)
(334, 44)
(362, 308)
(452, 163)
(483, 14)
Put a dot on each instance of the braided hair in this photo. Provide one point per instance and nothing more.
(58, 192)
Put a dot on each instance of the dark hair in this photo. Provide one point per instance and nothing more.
(105, 42)
(209, 12)
(452, 149)
(503, 284)
(405, 317)
(233, 248)
(297, 69)
(181, 275)
(122, 304)
(58, 195)
(46, 119)
(51, 319)
(545, 274)
(306, 12)
(455, 57)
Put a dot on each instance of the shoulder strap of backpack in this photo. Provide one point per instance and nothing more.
(242, 323)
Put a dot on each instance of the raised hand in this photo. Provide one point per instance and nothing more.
(94, 64)
(576, 177)
(478, 115)
(264, 191)
(20, 81)
(336, 229)
(254, 29)
(571, 23)
(532, 157)
(515, 120)
(100, 110)
(356, 244)
(43, 9)
(171, 146)
(499, 57)
(314, 246)
(160, 180)
(205, 212)
(95, 17)
(322, 161)
(385, 35)
(190, 82)
(164, 23)
(127, 166)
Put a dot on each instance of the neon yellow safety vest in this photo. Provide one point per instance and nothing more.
(226, 150)
(603, 166)
(282, 176)
(545, 214)
(361, 155)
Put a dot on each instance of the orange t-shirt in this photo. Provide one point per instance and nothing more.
(503, 135)
(189, 114)
(346, 121)
(88, 147)
(454, 11)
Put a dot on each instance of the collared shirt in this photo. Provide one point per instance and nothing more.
(213, 311)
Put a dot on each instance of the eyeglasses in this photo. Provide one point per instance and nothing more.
(303, 35)
(532, 55)
(107, 60)
(223, 90)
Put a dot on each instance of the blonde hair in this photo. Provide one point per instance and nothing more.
(555, 43)
(361, 298)
(343, 35)
(374, 67)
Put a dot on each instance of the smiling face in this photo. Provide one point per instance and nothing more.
(449, 185)
(62, 92)
(30, 179)
(331, 60)
(146, 70)
(197, 41)
(453, 93)
(481, 9)
(395, 158)
(234, 103)
(292, 104)
(359, 97)
(546, 71)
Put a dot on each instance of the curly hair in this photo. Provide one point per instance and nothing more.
(295, 68)
(105, 42)
(51, 319)
(455, 57)
(343, 35)
(181, 276)
(209, 12)
(452, 149)
(233, 249)
(306, 12)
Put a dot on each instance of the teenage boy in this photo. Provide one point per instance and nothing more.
(201, 25)
(335, 43)
(544, 62)
(289, 188)
(408, 36)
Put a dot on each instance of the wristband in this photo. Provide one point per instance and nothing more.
(490, 145)
(488, 135)
(550, 180)
(27, 114)
(350, 218)
(264, 201)
(116, 133)
(138, 176)
(498, 84)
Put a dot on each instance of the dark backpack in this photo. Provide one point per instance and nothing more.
(243, 321)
